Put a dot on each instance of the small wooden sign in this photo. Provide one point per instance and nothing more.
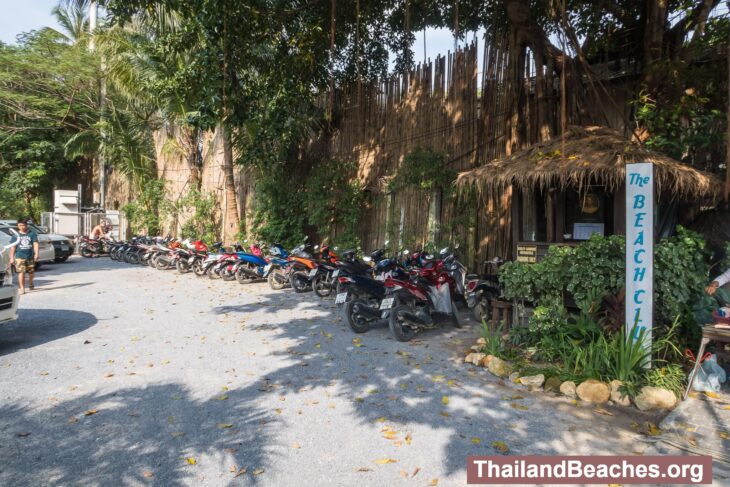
(527, 253)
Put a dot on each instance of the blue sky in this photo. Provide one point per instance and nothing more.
(23, 15)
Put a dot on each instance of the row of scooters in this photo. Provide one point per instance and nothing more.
(413, 291)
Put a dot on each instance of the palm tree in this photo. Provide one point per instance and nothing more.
(73, 22)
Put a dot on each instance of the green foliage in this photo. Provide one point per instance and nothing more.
(334, 201)
(595, 269)
(200, 225)
(424, 169)
(494, 345)
(548, 315)
(629, 355)
(680, 275)
(671, 377)
(146, 213)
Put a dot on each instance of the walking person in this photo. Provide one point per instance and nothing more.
(24, 254)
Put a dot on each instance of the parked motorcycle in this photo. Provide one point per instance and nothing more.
(91, 247)
(426, 301)
(481, 291)
(302, 268)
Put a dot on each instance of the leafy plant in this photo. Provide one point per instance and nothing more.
(494, 345)
(629, 355)
(549, 315)
(671, 377)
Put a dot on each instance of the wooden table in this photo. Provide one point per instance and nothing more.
(709, 333)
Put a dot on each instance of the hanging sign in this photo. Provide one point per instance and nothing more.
(640, 249)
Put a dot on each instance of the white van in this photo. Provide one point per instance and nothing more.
(8, 291)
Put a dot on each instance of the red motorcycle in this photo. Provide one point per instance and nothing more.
(428, 300)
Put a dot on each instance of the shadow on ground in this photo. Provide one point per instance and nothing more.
(136, 435)
(38, 326)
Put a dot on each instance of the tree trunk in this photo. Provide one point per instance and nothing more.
(231, 220)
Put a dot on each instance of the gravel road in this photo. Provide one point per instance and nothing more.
(123, 375)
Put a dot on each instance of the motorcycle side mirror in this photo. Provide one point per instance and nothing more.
(367, 258)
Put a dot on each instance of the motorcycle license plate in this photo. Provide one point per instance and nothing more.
(341, 298)
(387, 303)
(336, 273)
(313, 273)
(267, 268)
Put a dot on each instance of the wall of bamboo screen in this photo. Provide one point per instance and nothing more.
(473, 117)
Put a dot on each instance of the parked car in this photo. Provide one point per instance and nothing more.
(8, 291)
(63, 247)
(46, 251)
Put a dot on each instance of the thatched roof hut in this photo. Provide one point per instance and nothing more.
(587, 156)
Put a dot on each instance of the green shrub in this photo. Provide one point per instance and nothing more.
(494, 345)
(671, 377)
(550, 314)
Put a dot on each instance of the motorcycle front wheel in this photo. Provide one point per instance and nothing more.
(277, 279)
(85, 252)
(401, 330)
(458, 321)
(198, 268)
(182, 266)
(299, 282)
(242, 277)
(320, 286)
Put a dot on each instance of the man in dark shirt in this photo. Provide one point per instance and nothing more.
(24, 254)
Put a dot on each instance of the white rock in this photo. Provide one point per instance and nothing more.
(533, 381)
(593, 391)
(651, 398)
(615, 386)
(567, 388)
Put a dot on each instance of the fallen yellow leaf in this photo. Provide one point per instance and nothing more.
(603, 411)
(191, 460)
(364, 469)
(724, 435)
(712, 395)
(222, 426)
(652, 429)
(90, 412)
(147, 474)
(258, 471)
(380, 420)
(177, 434)
(408, 439)
(514, 405)
(445, 400)
(222, 398)
(476, 440)
(240, 472)
(295, 445)
(383, 461)
(434, 482)
(501, 446)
